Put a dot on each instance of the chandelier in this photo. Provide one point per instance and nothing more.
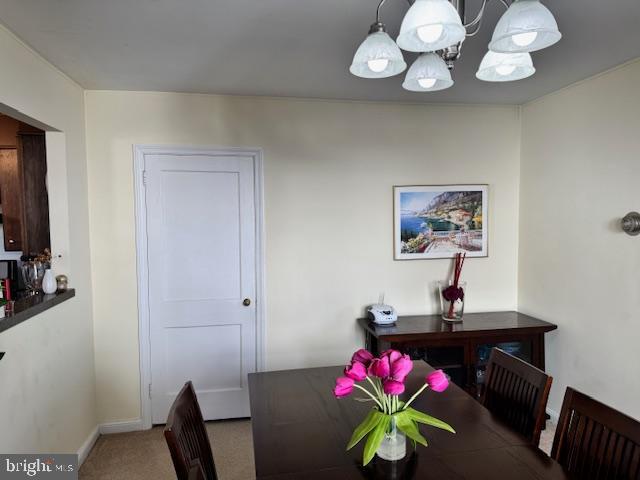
(436, 29)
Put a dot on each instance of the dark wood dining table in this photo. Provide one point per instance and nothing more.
(300, 431)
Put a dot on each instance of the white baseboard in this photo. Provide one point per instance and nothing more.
(105, 429)
(554, 415)
(121, 427)
(85, 449)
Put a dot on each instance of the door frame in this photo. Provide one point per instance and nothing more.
(144, 338)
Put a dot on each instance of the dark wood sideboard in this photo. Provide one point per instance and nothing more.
(462, 349)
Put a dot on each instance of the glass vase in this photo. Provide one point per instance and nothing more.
(452, 300)
(32, 274)
(394, 444)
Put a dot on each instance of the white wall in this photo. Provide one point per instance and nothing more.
(580, 174)
(329, 172)
(47, 379)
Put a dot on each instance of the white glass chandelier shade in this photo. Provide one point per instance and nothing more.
(377, 57)
(526, 26)
(429, 73)
(430, 25)
(505, 67)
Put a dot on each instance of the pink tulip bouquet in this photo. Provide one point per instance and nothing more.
(385, 376)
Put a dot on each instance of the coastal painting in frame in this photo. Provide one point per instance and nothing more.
(439, 221)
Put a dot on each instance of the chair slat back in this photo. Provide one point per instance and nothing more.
(596, 441)
(196, 472)
(517, 393)
(186, 436)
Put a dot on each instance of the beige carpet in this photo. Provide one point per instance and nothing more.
(546, 438)
(144, 455)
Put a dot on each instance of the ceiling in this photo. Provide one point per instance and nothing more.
(295, 48)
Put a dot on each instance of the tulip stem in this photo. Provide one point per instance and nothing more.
(378, 389)
(375, 387)
(415, 395)
(370, 394)
(381, 395)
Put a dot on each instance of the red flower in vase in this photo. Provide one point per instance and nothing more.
(453, 293)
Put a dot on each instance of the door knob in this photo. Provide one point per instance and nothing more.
(12, 241)
(246, 302)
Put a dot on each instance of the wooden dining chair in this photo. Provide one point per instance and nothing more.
(517, 393)
(195, 471)
(595, 441)
(186, 436)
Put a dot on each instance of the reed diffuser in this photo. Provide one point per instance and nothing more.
(452, 293)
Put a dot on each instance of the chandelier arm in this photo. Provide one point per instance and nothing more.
(478, 18)
(475, 32)
(477, 22)
(378, 10)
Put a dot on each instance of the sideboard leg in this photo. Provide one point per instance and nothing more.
(371, 343)
(538, 348)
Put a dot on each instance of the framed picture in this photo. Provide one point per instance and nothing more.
(439, 221)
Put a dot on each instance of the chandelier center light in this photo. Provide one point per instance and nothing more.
(505, 69)
(430, 33)
(524, 39)
(427, 83)
(378, 65)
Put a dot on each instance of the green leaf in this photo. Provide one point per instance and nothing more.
(428, 420)
(406, 425)
(375, 438)
(365, 427)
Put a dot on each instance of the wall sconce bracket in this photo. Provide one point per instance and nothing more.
(631, 223)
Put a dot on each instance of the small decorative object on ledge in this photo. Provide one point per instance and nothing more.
(32, 273)
(34, 268)
(63, 283)
(49, 284)
(452, 293)
(3, 302)
(391, 420)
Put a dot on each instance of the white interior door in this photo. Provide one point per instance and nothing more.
(201, 244)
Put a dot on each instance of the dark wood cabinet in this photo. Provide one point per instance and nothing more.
(23, 194)
(462, 350)
(10, 199)
(32, 157)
